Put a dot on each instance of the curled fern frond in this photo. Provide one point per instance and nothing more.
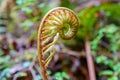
(61, 22)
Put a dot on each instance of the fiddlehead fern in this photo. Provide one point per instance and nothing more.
(61, 22)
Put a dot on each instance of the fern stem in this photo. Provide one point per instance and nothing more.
(52, 26)
(90, 63)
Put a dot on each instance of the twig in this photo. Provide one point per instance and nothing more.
(33, 61)
(33, 73)
(90, 63)
(17, 75)
(31, 67)
(38, 68)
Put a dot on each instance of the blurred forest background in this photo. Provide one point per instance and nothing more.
(99, 21)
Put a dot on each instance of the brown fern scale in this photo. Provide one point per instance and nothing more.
(58, 22)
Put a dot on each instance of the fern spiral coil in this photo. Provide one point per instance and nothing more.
(57, 22)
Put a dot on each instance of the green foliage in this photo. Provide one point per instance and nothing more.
(4, 74)
(61, 76)
(2, 29)
(101, 59)
(24, 3)
(113, 78)
(111, 33)
(22, 74)
(89, 16)
(114, 72)
(1, 52)
(44, 8)
(4, 61)
(87, 20)
(32, 11)
(106, 72)
(68, 4)
(101, 23)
